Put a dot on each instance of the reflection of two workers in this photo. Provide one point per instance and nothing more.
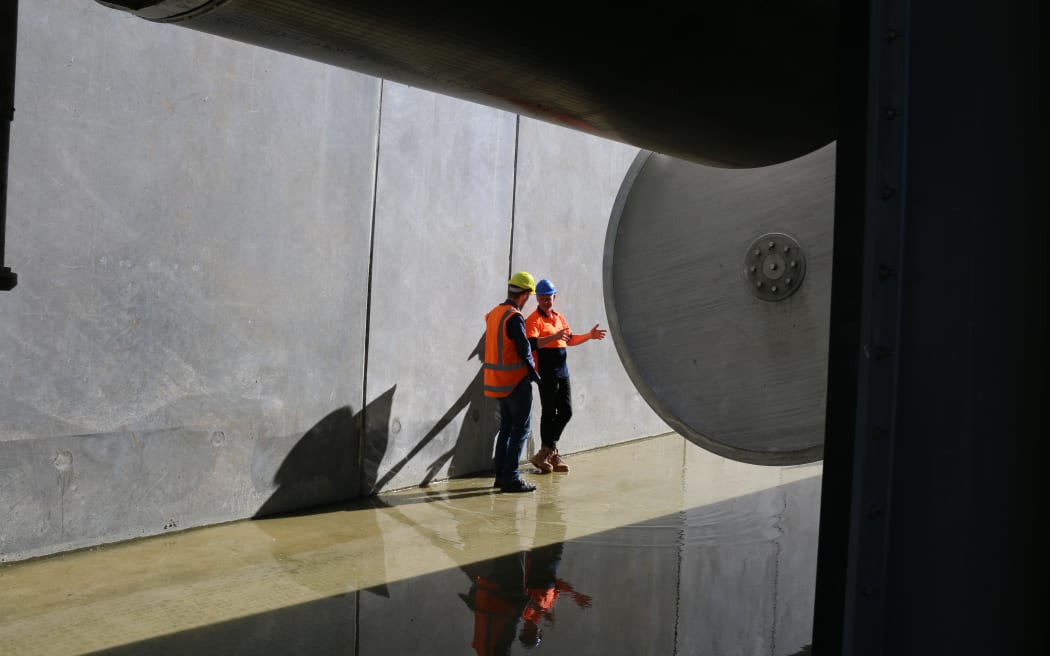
(517, 589)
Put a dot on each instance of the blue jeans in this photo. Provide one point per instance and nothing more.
(515, 419)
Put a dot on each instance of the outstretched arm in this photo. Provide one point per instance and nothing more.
(582, 600)
(594, 333)
(564, 333)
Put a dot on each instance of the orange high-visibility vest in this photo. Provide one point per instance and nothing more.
(503, 367)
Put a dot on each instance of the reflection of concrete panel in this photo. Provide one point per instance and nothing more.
(632, 575)
(442, 240)
(190, 221)
(798, 557)
(749, 572)
(566, 184)
(430, 615)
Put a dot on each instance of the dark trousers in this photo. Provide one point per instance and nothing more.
(556, 399)
(515, 421)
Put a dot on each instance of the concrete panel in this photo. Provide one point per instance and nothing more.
(442, 251)
(566, 184)
(190, 221)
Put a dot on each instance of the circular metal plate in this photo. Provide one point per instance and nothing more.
(740, 371)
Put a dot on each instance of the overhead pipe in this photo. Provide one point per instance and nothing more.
(8, 47)
(730, 83)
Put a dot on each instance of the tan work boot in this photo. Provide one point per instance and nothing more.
(541, 460)
(557, 464)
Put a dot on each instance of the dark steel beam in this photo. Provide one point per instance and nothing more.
(8, 47)
(932, 498)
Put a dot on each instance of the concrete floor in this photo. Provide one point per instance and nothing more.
(651, 547)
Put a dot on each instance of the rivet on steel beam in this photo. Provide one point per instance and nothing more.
(758, 284)
(754, 269)
(882, 353)
(878, 433)
(774, 288)
(757, 253)
(874, 512)
(794, 264)
(787, 281)
(892, 34)
(890, 113)
(870, 591)
(772, 245)
(886, 272)
(888, 192)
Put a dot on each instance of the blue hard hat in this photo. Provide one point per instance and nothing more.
(545, 288)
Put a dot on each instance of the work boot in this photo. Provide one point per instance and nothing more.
(517, 486)
(557, 464)
(541, 460)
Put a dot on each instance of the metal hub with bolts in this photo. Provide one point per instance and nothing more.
(774, 266)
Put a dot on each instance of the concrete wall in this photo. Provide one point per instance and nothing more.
(250, 283)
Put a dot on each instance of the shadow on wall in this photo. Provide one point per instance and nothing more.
(340, 457)
(331, 462)
(471, 453)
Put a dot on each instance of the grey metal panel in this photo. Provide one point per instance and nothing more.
(194, 236)
(566, 185)
(442, 242)
(741, 376)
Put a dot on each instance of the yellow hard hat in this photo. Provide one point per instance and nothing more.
(524, 280)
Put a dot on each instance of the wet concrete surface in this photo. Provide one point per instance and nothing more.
(652, 547)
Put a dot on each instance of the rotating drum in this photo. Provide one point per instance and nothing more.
(717, 285)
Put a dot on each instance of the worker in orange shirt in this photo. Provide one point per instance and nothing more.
(550, 335)
(518, 589)
(509, 371)
(543, 588)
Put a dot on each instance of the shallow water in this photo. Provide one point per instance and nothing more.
(684, 553)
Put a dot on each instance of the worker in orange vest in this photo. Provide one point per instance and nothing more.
(549, 334)
(509, 371)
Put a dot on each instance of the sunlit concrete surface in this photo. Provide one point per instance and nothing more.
(652, 547)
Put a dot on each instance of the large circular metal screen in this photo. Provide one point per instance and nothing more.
(717, 285)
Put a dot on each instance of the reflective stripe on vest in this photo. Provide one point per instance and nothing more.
(503, 368)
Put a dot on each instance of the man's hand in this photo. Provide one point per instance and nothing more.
(597, 333)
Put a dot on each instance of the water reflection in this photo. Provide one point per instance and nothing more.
(734, 578)
(517, 590)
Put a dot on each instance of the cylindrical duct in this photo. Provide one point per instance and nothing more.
(733, 83)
